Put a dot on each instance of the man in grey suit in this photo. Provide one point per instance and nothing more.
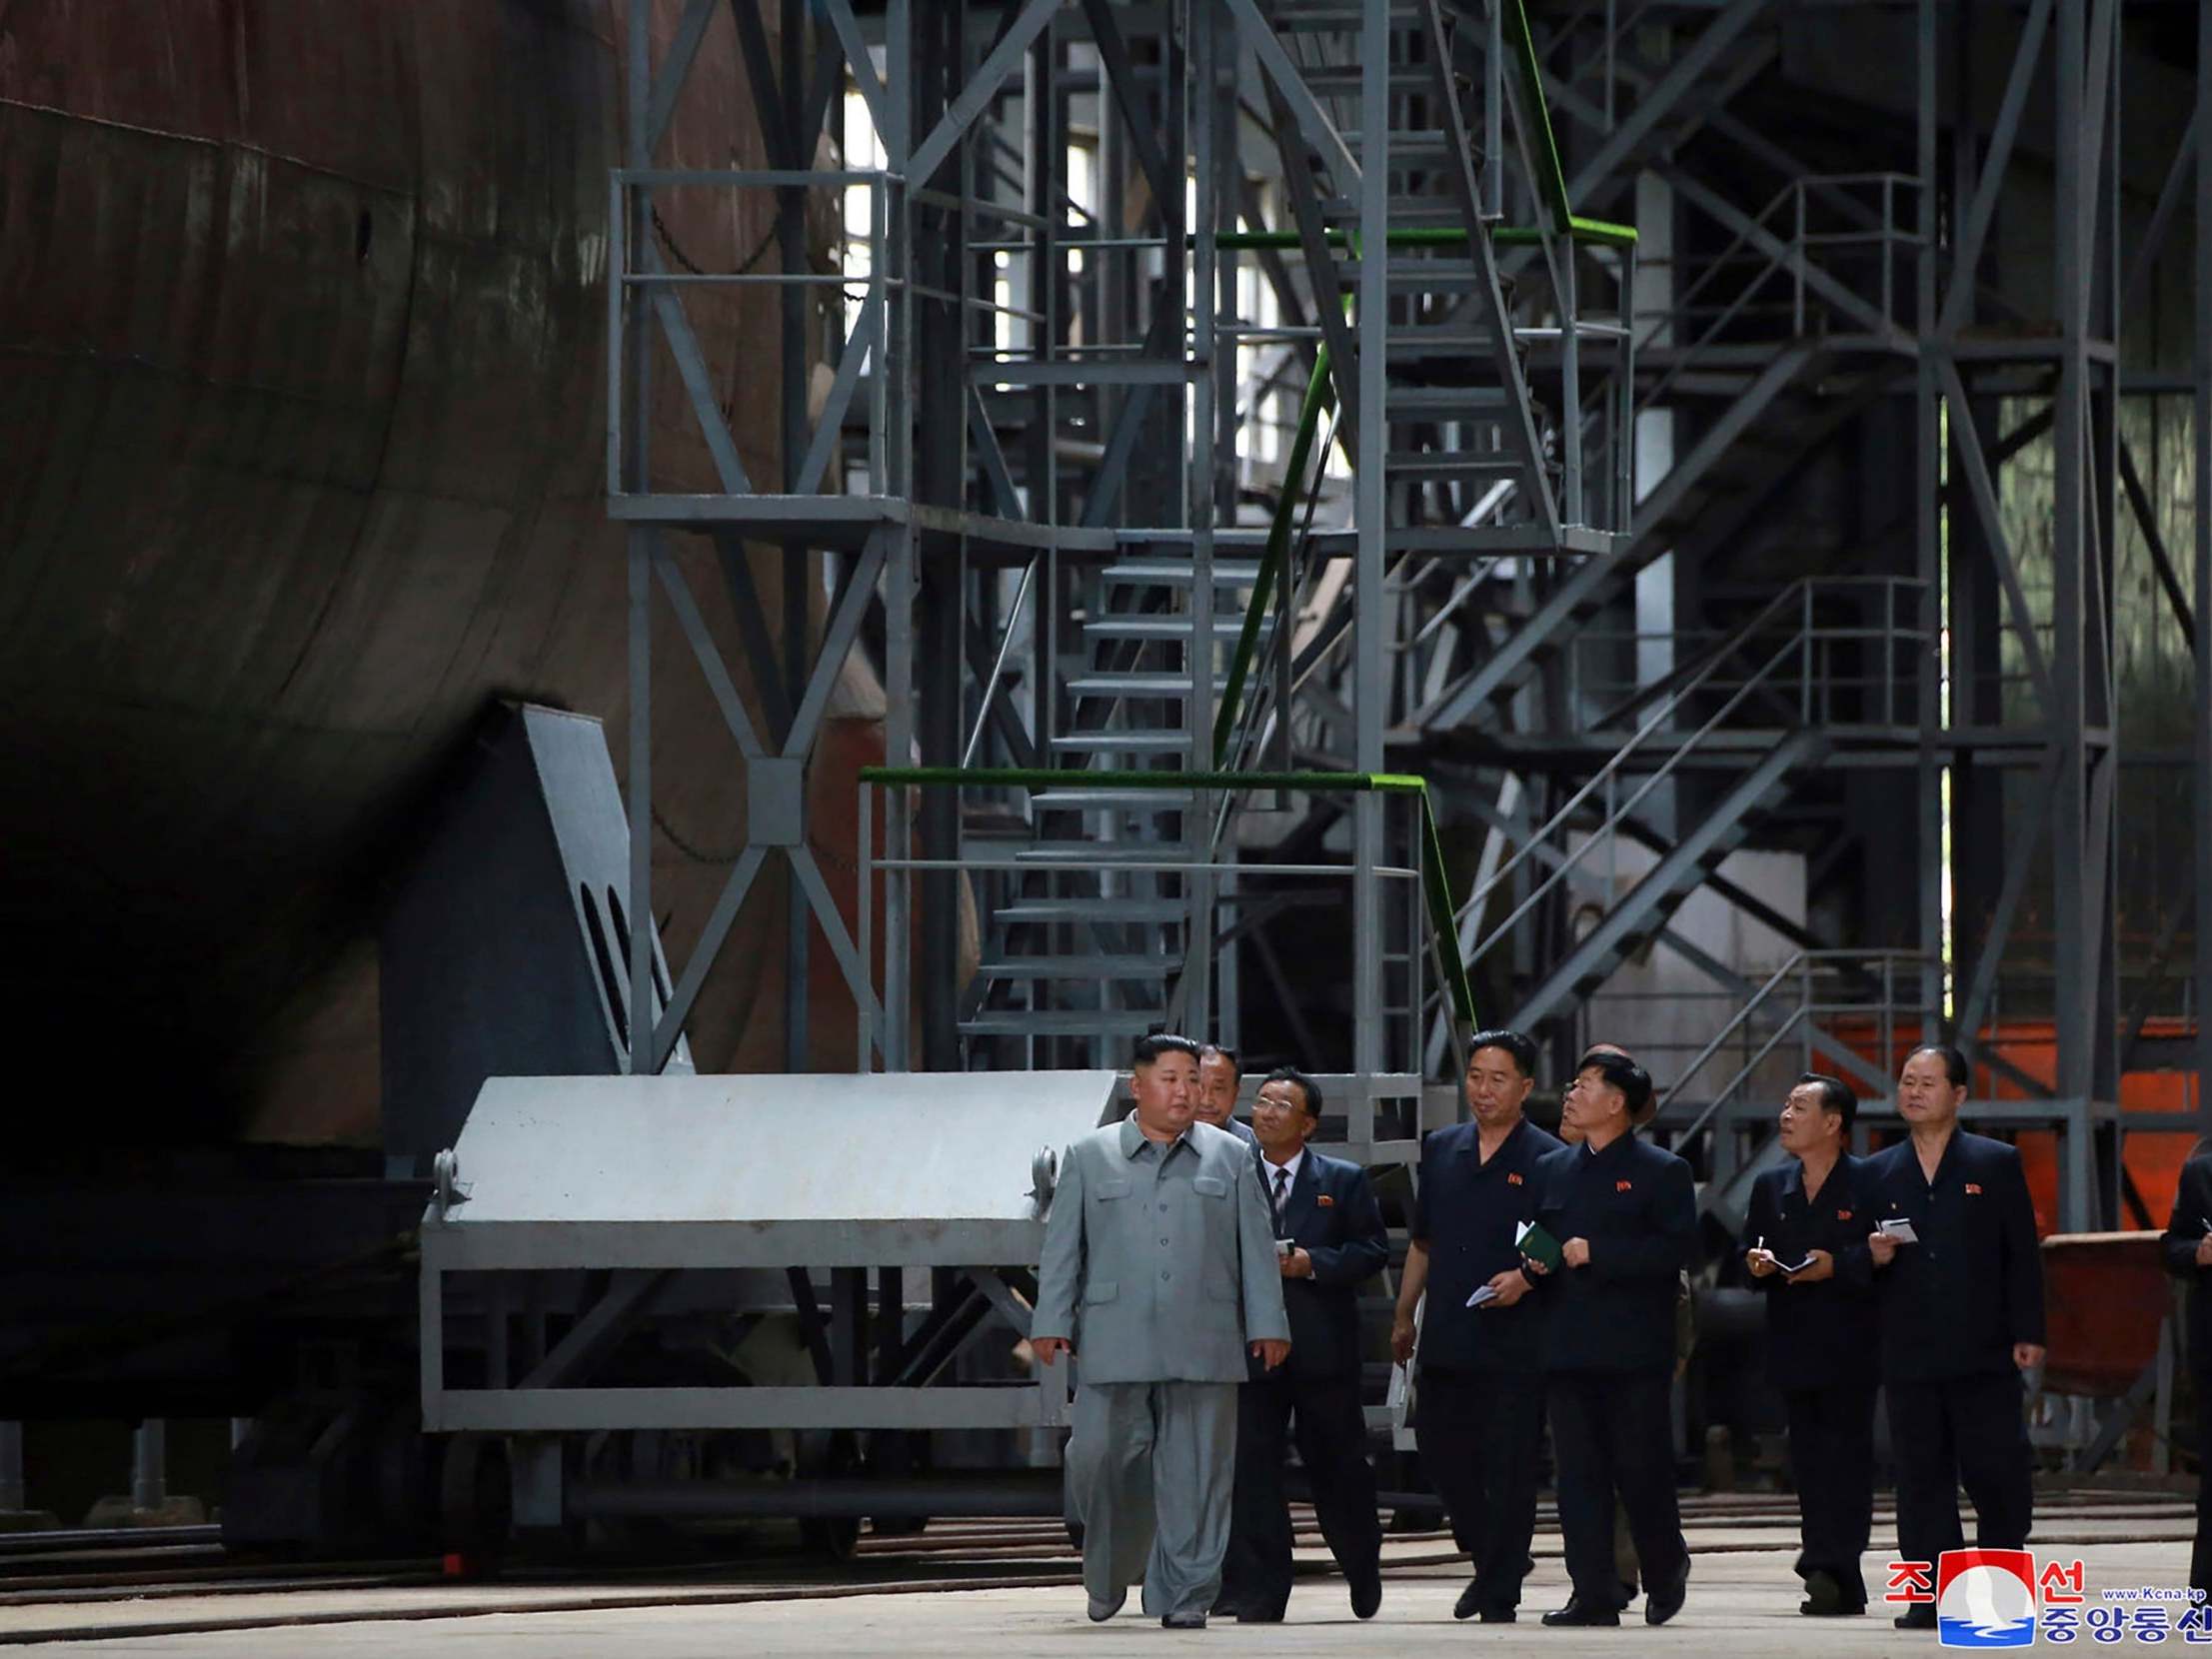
(1159, 1271)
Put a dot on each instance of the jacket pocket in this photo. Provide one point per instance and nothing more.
(1101, 1290)
(1212, 1185)
(1104, 1190)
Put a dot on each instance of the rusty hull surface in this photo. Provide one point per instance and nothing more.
(301, 466)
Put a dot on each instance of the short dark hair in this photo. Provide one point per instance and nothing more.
(1522, 1050)
(1309, 1091)
(1954, 1062)
(1622, 1073)
(1835, 1096)
(1149, 1048)
(1208, 1051)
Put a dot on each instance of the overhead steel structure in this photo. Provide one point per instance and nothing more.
(1220, 394)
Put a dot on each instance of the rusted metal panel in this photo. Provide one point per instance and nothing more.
(2104, 1296)
(301, 338)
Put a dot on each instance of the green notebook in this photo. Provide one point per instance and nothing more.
(1536, 1244)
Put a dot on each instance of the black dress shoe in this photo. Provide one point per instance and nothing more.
(1841, 1610)
(1577, 1611)
(1470, 1602)
(1662, 1605)
(1366, 1594)
(1182, 1621)
(1499, 1615)
(1260, 1615)
(1823, 1595)
(1920, 1616)
(1101, 1611)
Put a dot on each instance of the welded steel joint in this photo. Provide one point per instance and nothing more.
(775, 801)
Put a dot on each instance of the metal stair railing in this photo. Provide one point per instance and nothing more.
(1793, 256)
(1429, 917)
(1875, 693)
(1810, 986)
(1656, 731)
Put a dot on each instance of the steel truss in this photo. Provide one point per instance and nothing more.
(1443, 424)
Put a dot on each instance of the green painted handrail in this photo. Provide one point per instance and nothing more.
(1598, 231)
(1543, 145)
(1436, 883)
(1274, 554)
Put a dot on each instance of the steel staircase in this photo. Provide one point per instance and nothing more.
(1088, 943)
(1087, 935)
(1724, 712)
(1462, 411)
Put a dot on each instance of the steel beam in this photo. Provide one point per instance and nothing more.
(1994, 164)
(2200, 444)
(1966, 438)
(1371, 504)
(708, 655)
(981, 87)
(1304, 109)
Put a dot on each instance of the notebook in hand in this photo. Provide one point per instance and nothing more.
(1482, 1293)
(1536, 1244)
(1792, 1266)
(1899, 1229)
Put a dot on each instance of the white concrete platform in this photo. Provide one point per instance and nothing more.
(1743, 1601)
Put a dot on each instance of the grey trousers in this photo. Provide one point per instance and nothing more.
(1150, 1469)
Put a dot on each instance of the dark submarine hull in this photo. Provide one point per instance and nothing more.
(302, 438)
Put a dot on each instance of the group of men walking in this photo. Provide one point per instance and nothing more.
(1208, 1276)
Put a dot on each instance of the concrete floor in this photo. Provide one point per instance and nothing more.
(1743, 1601)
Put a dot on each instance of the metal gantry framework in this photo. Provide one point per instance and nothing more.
(1226, 388)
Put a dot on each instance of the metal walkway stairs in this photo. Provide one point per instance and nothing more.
(1089, 945)
(1461, 413)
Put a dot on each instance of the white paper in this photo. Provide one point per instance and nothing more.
(1900, 1229)
(1794, 1267)
(1520, 1230)
(1482, 1293)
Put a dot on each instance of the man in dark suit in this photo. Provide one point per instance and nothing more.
(1624, 1214)
(2189, 1259)
(1820, 1333)
(1480, 1392)
(1961, 1312)
(1326, 1211)
(1220, 1077)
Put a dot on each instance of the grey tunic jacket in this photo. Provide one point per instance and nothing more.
(1159, 1262)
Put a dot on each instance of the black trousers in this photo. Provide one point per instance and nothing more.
(1954, 1431)
(1481, 1434)
(1611, 1435)
(1831, 1460)
(1331, 1434)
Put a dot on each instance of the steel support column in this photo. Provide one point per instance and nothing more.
(1371, 617)
(2201, 453)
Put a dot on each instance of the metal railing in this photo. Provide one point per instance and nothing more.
(1796, 1013)
(1661, 745)
(1412, 901)
(876, 301)
(1793, 267)
(1858, 637)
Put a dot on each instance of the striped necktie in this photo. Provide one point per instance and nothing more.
(1282, 1190)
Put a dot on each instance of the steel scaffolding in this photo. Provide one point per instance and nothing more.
(1225, 388)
